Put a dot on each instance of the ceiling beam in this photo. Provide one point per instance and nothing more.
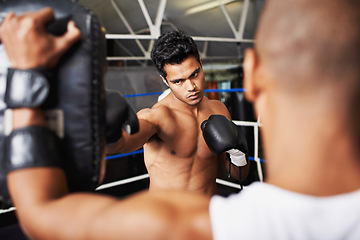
(155, 29)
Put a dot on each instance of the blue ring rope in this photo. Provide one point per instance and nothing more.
(124, 154)
(226, 90)
(142, 151)
(206, 90)
(143, 94)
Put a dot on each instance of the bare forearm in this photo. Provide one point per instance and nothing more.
(116, 147)
(91, 216)
(48, 206)
(128, 143)
(125, 144)
(23, 117)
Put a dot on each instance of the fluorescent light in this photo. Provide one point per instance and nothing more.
(207, 6)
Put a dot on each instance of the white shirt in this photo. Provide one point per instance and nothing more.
(264, 211)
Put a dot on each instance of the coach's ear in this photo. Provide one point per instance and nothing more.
(249, 68)
(253, 75)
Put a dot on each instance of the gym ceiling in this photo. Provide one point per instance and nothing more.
(221, 28)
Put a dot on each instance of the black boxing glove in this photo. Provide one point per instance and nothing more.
(222, 135)
(119, 115)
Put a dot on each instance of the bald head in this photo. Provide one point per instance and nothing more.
(310, 42)
(312, 48)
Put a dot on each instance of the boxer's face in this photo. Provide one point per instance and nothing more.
(186, 80)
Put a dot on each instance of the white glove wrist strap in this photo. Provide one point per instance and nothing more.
(237, 157)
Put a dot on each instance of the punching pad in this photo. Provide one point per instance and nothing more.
(75, 106)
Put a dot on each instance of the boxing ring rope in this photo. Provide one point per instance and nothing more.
(123, 181)
(7, 210)
(256, 158)
(145, 176)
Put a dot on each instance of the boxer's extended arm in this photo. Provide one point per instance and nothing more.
(148, 122)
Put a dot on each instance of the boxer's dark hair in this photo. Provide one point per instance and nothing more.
(173, 48)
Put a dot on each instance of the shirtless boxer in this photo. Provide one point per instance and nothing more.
(170, 133)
